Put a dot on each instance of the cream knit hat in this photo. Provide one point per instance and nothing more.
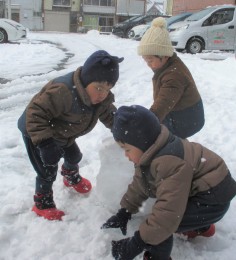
(156, 40)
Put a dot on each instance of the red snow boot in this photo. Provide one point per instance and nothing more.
(73, 179)
(45, 207)
(204, 233)
(83, 186)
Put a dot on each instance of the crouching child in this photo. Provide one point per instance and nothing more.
(192, 185)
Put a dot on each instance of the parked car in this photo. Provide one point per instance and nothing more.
(138, 31)
(122, 29)
(11, 30)
(213, 28)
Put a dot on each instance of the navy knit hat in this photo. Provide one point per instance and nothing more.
(137, 126)
(100, 67)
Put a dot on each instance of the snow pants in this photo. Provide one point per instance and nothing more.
(187, 122)
(202, 210)
(46, 175)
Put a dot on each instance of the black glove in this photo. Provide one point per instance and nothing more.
(50, 153)
(129, 248)
(119, 220)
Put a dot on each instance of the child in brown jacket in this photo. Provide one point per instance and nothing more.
(192, 186)
(66, 108)
(176, 99)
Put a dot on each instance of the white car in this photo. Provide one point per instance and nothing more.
(11, 30)
(213, 28)
(138, 31)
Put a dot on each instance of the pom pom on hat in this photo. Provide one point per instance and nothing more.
(159, 22)
(100, 67)
(136, 125)
(156, 40)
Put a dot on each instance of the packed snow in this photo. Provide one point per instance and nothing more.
(24, 69)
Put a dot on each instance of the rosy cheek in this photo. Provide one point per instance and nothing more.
(103, 95)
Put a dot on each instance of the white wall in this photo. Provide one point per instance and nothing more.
(28, 8)
(130, 7)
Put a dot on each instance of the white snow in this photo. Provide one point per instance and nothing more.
(24, 69)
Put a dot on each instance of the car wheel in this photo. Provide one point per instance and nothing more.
(194, 46)
(3, 36)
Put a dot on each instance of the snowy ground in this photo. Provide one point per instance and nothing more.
(24, 69)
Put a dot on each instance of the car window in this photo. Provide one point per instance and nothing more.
(199, 15)
(137, 19)
(220, 17)
(148, 19)
(174, 18)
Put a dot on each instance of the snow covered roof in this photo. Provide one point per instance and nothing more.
(155, 4)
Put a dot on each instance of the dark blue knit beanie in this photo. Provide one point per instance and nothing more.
(100, 67)
(136, 125)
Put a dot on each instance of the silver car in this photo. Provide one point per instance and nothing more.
(213, 28)
(11, 30)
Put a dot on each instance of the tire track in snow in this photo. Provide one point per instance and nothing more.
(19, 91)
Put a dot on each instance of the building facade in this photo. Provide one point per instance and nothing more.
(103, 14)
(26, 12)
(61, 15)
(128, 8)
(84, 15)
(98, 14)
(71, 15)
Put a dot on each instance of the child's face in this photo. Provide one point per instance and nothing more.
(131, 152)
(154, 62)
(98, 91)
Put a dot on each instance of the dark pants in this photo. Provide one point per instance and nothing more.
(187, 122)
(200, 212)
(47, 175)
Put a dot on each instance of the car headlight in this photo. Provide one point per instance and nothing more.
(131, 33)
(182, 27)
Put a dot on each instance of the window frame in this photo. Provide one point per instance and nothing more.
(62, 4)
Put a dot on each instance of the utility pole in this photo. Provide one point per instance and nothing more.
(2, 9)
(9, 9)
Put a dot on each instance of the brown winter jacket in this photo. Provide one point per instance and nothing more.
(171, 177)
(65, 113)
(174, 88)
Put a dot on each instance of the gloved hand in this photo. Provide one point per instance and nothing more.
(50, 152)
(129, 248)
(119, 220)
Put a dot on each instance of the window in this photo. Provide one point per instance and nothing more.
(61, 2)
(106, 23)
(100, 2)
(95, 2)
(103, 2)
(220, 17)
(37, 14)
